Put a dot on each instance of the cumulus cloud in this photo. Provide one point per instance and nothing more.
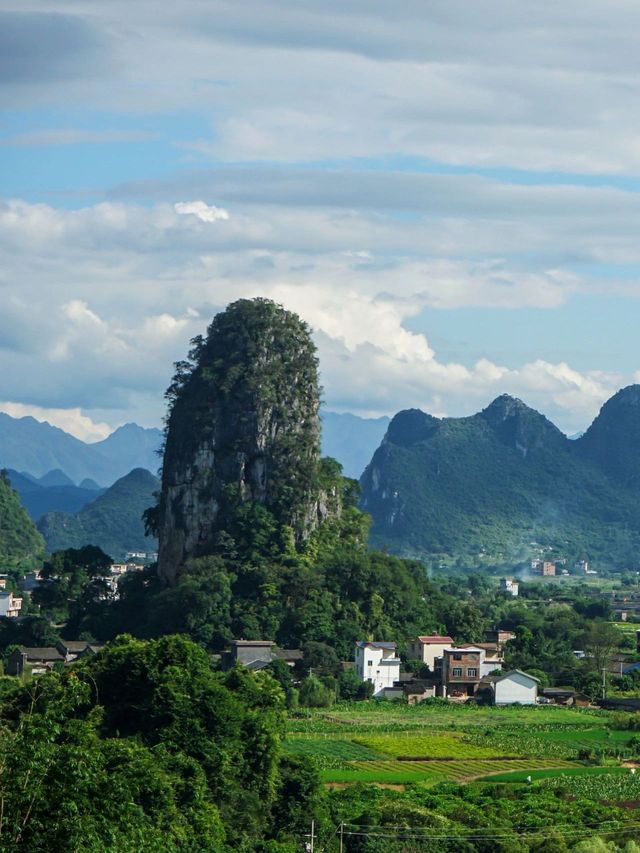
(98, 298)
(112, 293)
(204, 212)
(70, 420)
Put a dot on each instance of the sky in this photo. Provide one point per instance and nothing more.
(447, 191)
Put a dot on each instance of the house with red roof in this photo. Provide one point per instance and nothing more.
(426, 649)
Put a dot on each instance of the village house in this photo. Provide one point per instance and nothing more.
(510, 586)
(509, 688)
(498, 638)
(377, 663)
(36, 661)
(545, 568)
(10, 605)
(72, 650)
(426, 649)
(30, 581)
(564, 696)
(461, 669)
(258, 654)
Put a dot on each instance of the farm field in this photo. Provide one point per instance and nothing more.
(388, 744)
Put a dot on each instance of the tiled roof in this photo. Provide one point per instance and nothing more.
(435, 639)
(289, 654)
(41, 653)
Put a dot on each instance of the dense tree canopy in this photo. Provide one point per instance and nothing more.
(145, 748)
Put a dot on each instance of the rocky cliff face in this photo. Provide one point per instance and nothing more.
(243, 428)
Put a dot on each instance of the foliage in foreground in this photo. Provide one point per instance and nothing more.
(144, 749)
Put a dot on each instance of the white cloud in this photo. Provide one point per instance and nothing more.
(70, 420)
(108, 296)
(204, 212)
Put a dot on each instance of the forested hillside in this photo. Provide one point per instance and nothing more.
(19, 539)
(493, 483)
(113, 521)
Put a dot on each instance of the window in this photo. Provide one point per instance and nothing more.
(457, 657)
(471, 673)
(369, 663)
(456, 672)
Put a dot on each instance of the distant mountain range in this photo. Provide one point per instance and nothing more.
(54, 491)
(28, 445)
(61, 481)
(113, 521)
(493, 483)
(52, 457)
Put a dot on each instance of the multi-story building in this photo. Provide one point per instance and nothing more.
(463, 667)
(377, 663)
(544, 567)
(510, 586)
(10, 605)
(428, 648)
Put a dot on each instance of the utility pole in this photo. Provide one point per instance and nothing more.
(310, 846)
(604, 682)
(341, 836)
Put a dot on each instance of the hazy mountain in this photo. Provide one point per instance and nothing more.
(351, 439)
(505, 477)
(132, 446)
(27, 445)
(38, 499)
(55, 478)
(113, 521)
(38, 449)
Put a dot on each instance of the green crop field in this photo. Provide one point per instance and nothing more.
(393, 744)
(431, 745)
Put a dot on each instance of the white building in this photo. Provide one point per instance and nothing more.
(510, 586)
(514, 686)
(428, 648)
(10, 605)
(377, 663)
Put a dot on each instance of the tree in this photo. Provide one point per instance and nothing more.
(282, 673)
(176, 757)
(321, 659)
(600, 641)
(315, 694)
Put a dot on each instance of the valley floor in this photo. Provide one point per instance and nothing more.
(389, 759)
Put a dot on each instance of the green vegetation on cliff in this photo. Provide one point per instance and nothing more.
(242, 430)
(19, 539)
(495, 482)
(259, 537)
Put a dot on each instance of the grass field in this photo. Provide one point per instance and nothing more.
(386, 743)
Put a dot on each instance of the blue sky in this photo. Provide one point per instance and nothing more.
(447, 191)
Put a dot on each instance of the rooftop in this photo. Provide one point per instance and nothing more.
(365, 644)
(41, 653)
(435, 639)
(494, 678)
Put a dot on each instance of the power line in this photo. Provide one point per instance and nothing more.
(566, 831)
